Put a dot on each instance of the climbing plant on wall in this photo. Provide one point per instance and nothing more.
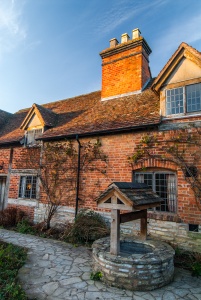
(58, 168)
(181, 147)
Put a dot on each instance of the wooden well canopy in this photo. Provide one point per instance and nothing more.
(130, 196)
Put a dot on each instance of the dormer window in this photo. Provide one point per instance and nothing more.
(183, 99)
(32, 135)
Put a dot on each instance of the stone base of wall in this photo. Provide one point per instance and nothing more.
(174, 233)
(64, 214)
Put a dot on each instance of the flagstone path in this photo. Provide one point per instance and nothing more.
(58, 271)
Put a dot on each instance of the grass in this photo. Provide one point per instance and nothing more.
(12, 258)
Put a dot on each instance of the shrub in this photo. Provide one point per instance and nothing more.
(188, 260)
(24, 226)
(12, 259)
(96, 276)
(88, 227)
(11, 216)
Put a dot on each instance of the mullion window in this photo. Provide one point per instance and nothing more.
(32, 135)
(162, 183)
(183, 99)
(193, 95)
(27, 187)
(175, 101)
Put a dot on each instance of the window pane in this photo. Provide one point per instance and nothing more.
(193, 97)
(22, 185)
(144, 178)
(164, 184)
(174, 101)
(27, 187)
(32, 135)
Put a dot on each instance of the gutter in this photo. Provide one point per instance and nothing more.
(100, 132)
(78, 177)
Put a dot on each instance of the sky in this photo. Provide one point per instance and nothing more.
(49, 49)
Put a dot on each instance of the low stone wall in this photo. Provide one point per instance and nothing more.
(63, 214)
(175, 233)
(145, 271)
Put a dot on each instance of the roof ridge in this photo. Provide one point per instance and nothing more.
(56, 102)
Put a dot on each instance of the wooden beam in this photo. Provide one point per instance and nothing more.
(127, 217)
(143, 228)
(115, 232)
(146, 206)
(115, 206)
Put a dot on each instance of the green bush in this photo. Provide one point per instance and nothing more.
(24, 226)
(96, 276)
(88, 227)
(12, 259)
(196, 269)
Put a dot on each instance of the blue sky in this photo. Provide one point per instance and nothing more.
(49, 49)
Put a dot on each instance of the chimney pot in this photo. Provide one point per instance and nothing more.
(113, 43)
(136, 33)
(125, 37)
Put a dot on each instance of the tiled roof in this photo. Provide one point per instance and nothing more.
(120, 113)
(4, 117)
(46, 116)
(11, 132)
(139, 194)
(87, 114)
(49, 117)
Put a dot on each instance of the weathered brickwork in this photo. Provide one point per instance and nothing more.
(117, 149)
(4, 161)
(124, 72)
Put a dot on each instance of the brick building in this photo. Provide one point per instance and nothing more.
(130, 105)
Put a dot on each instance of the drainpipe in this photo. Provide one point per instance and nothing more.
(78, 176)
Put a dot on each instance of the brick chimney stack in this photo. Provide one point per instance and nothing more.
(125, 66)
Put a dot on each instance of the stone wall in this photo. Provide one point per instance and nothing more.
(177, 234)
(151, 265)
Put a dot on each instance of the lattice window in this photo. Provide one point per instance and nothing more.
(164, 184)
(183, 99)
(32, 135)
(27, 187)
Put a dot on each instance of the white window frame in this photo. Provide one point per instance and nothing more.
(184, 101)
(35, 133)
(153, 173)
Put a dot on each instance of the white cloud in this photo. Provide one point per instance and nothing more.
(182, 31)
(12, 31)
(124, 10)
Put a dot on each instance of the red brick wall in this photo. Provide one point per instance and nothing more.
(28, 211)
(4, 160)
(124, 72)
(26, 158)
(118, 148)
(94, 180)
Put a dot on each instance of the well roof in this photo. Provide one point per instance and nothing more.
(138, 194)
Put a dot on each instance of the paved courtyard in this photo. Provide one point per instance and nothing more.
(56, 271)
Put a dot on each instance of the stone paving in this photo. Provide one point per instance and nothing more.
(58, 271)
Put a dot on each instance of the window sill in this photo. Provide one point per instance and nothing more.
(182, 116)
(23, 202)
